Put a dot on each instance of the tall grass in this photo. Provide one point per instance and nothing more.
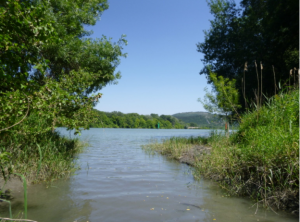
(263, 161)
(260, 160)
(46, 157)
(36, 153)
(175, 147)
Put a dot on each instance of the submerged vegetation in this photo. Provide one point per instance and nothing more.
(260, 160)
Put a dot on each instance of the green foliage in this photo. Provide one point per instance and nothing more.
(45, 39)
(134, 120)
(266, 31)
(204, 120)
(55, 103)
(175, 147)
(25, 156)
(271, 134)
(262, 158)
(193, 125)
(224, 99)
(24, 28)
(49, 70)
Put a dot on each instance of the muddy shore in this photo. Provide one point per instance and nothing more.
(196, 153)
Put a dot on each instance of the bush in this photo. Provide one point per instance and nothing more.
(262, 159)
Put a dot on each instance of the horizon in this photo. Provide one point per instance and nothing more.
(155, 113)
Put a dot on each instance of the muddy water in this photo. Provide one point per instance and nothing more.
(118, 181)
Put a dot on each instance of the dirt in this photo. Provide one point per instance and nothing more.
(197, 153)
(11, 189)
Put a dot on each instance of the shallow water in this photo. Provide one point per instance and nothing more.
(118, 181)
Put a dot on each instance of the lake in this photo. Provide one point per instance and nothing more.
(119, 181)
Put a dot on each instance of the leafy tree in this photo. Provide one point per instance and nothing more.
(133, 120)
(154, 115)
(262, 31)
(129, 121)
(24, 28)
(137, 123)
(150, 124)
(169, 118)
(193, 125)
(224, 99)
(143, 123)
(48, 66)
(155, 122)
(168, 125)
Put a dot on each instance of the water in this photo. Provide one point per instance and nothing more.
(118, 181)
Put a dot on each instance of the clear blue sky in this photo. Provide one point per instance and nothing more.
(161, 73)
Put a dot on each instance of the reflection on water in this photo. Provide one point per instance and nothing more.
(118, 181)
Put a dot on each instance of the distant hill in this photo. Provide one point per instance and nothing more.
(202, 119)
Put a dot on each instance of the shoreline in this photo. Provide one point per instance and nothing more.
(199, 156)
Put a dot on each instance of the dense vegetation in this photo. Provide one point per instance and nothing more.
(134, 120)
(49, 68)
(242, 41)
(201, 119)
(260, 160)
(250, 58)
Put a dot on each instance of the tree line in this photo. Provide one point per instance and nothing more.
(134, 120)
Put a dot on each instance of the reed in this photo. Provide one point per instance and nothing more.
(9, 207)
(258, 93)
(25, 193)
(46, 157)
(40, 161)
(274, 81)
(244, 84)
(260, 160)
(175, 146)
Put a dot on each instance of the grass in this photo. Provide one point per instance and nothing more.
(38, 158)
(260, 160)
(46, 158)
(175, 146)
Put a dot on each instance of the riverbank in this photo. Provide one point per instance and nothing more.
(33, 158)
(39, 158)
(260, 160)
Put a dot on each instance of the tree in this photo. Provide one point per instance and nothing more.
(262, 31)
(224, 99)
(150, 124)
(143, 123)
(169, 118)
(193, 125)
(136, 123)
(24, 27)
(48, 66)
(154, 115)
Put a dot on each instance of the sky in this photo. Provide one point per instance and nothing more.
(161, 72)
